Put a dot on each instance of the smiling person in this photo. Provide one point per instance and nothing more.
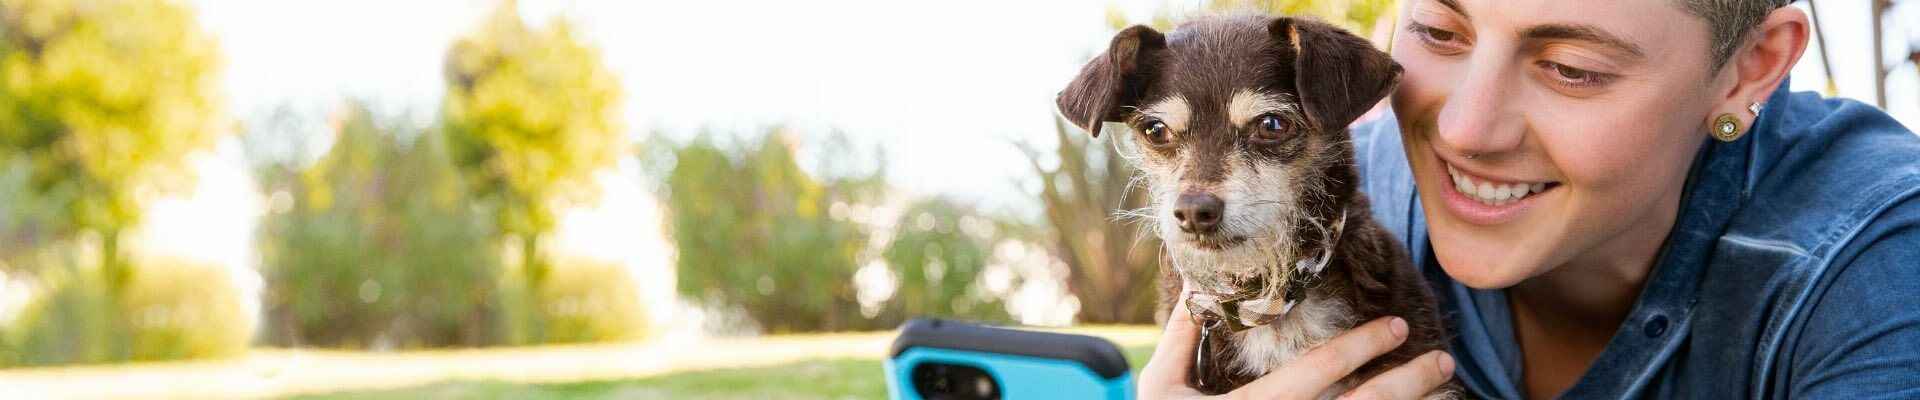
(1620, 199)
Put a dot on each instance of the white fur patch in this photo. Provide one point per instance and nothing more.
(1245, 105)
(1309, 324)
(1175, 111)
(1259, 208)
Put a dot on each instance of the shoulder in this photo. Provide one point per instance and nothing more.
(1381, 164)
(1833, 208)
(1859, 336)
(1820, 172)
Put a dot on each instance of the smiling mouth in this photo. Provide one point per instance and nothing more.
(1494, 193)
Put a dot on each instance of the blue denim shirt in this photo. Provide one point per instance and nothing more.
(1792, 271)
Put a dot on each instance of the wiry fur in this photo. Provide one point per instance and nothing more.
(1210, 81)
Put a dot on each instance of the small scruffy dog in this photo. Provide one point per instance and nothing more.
(1239, 127)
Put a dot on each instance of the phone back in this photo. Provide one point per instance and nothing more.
(947, 360)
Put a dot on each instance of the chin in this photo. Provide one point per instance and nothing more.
(1236, 258)
(1485, 263)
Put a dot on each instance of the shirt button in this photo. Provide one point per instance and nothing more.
(1656, 326)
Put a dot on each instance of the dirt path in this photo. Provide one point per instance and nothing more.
(280, 372)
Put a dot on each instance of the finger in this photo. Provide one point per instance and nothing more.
(1173, 357)
(1408, 381)
(1332, 361)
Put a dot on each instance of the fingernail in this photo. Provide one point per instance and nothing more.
(1446, 364)
(1399, 327)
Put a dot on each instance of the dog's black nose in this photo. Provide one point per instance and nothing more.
(1198, 212)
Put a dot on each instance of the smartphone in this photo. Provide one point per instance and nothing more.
(937, 359)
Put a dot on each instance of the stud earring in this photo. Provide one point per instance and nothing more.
(1726, 128)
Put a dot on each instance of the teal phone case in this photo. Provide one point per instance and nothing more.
(1023, 364)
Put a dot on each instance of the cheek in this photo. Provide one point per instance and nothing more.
(1608, 155)
(1424, 84)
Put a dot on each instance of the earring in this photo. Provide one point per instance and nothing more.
(1726, 128)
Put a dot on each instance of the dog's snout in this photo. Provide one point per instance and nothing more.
(1198, 212)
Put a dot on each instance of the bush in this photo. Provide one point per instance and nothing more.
(756, 234)
(169, 310)
(377, 245)
(182, 310)
(579, 301)
(939, 254)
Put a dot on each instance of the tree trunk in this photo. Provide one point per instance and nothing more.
(118, 276)
(535, 276)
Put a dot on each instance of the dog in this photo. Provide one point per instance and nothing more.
(1239, 129)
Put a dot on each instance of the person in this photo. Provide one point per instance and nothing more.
(1621, 200)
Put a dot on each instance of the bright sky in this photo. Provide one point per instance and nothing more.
(943, 87)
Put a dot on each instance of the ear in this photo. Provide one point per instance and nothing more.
(1111, 79)
(1337, 75)
(1754, 70)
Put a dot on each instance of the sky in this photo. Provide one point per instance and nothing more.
(943, 88)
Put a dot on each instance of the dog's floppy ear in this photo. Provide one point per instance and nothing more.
(1112, 79)
(1338, 76)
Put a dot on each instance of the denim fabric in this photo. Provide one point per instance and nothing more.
(1792, 271)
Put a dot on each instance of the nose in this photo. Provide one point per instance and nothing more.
(1478, 116)
(1198, 212)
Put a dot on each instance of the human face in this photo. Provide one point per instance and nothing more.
(1573, 123)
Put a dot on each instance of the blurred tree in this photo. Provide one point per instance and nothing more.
(102, 101)
(939, 252)
(377, 244)
(26, 220)
(1110, 264)
(530, 114)
(754, 232)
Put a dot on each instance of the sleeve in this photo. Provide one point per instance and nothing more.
(1861, 340)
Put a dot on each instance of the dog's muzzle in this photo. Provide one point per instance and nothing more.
(1244, 309)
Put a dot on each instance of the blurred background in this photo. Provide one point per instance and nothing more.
(467, 198)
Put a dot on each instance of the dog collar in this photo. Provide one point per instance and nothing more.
(1245, 310)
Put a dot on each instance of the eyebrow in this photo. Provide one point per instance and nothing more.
(1581, 32)
(1455, 6)
(1586, 33)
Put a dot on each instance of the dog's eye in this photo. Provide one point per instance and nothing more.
(1156, 133)
(1271, 128)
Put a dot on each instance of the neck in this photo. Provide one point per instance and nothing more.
(1593, 293)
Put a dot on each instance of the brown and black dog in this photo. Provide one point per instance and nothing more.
(1239, 127)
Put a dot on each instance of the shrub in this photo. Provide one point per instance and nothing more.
(169, 310)
(377, 244)
(939, 254)
(756, 234)
(580, 300)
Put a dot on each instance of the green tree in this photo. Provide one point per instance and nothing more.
(755, 233)
(376, 244)
(101, 100)
(940, 251)
(529, 115)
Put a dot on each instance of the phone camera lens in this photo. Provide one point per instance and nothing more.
(940, 381)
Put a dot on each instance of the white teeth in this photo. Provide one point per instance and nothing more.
(1490, 193)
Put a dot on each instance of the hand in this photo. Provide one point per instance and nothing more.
(1165, 376)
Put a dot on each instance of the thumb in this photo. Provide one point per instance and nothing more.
(1173, 356)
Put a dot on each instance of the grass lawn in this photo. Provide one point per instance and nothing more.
(847, 378)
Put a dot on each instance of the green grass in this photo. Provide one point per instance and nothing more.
(819, 379)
